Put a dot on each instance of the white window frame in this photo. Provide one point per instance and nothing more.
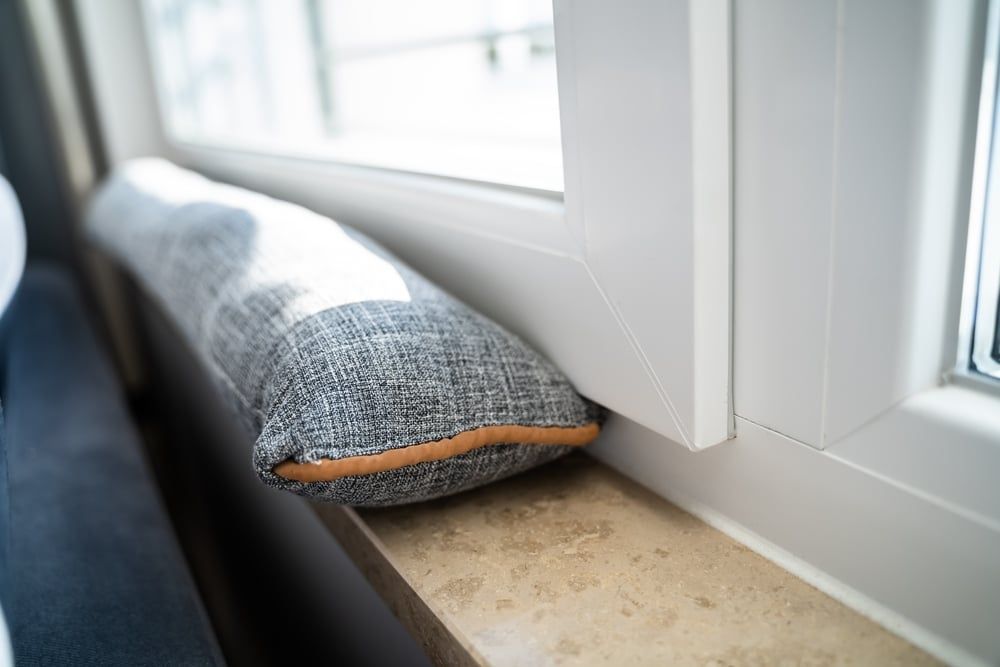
(631, 300)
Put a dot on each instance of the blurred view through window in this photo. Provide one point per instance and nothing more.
(463, 88)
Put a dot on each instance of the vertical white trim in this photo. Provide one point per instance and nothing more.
(711, 138)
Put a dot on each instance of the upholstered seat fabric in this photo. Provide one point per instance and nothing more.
(93, 574)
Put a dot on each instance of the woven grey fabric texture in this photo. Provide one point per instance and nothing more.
(325, 344)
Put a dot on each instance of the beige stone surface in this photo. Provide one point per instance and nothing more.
(573, 564)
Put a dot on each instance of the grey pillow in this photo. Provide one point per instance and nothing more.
(364, 383)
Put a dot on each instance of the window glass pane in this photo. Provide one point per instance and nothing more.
(463, 88)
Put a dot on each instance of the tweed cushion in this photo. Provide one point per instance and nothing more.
(363, 383)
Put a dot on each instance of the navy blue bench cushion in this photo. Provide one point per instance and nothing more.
(95, 575)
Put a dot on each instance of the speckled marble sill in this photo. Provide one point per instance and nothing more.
(574, 564)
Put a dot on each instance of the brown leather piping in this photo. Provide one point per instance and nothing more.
(327, 470)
